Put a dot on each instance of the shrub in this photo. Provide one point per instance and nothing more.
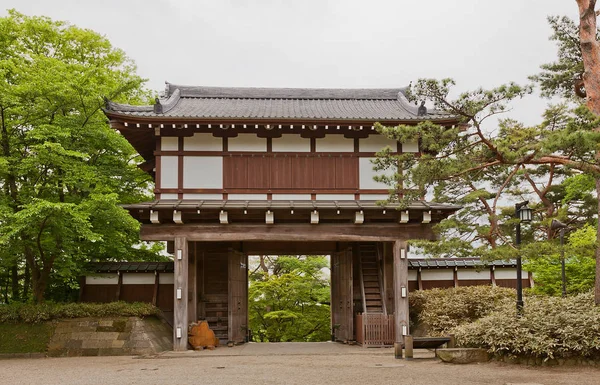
(441, 310)
(37, 313)
(549, 328)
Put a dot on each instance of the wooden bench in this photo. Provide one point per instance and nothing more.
(411, 343)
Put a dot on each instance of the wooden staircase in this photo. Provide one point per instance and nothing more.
(371, 281)
(216, 313)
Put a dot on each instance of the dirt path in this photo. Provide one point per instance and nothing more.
(296, 369)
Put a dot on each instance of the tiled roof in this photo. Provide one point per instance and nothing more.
(168, 267)
(281, 103)
(130, 267)
(444, 263)
(168, 204)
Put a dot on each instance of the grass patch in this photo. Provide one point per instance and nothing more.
(25, 338)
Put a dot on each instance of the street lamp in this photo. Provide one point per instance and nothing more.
(524, 214)
(558, 225)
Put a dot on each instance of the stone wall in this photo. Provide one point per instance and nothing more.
(112, 336)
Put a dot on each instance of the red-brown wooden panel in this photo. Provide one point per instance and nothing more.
(235, 172)
(281, 172)
(99, 293)
(259, 172)
(324, 172)
(165, 298)
(302, 172)
(137, 293)
(346, 172)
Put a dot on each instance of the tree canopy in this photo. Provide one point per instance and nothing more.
(63, 170)
(289, 299)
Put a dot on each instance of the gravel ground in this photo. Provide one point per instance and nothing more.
(283, 369)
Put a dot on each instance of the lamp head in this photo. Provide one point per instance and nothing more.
(556, 225)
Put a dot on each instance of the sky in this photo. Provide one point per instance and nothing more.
(323, 43)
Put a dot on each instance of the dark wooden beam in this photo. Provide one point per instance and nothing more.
(286, 232)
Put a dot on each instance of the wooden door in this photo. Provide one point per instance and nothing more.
(342, 321)
(238, 296)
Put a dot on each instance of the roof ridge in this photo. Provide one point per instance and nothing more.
(287, 93)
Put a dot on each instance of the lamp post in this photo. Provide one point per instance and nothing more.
(558, 225)
(523, 213)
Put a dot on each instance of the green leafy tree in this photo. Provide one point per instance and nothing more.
(543, 259)
(63, 170)
(289, 300)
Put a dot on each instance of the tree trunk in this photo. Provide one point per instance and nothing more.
(590, 51)
(14, 277)
(26, 283)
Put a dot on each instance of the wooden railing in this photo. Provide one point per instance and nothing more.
(374, 329)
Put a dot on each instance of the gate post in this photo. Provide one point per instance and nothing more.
(180, 291)
(400, 296)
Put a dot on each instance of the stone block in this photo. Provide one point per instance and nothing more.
(117, 344)
(90, 352)
(463, 355)
(105, 323)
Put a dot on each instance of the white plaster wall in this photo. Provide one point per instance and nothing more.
(169, 143)
(412, 275)
(366, 174)
(202, 196)
(168, 171)
(473, 274)
(291, 197)
(507, 273)
(104, 279)
(334, 143)
(138, 278)
(247, 142)
(166, 279)
(376, 143)
(373, 197)
(410, 146)
(169, 196)
(437, 275)
(203, 172)
(202, 142)
(291, 143)
(335, 197)
(247, 197)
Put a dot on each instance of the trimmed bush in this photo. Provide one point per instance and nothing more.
(549, 328)
(38, 313)
(441, 310)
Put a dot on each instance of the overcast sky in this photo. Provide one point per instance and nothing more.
(323, 43)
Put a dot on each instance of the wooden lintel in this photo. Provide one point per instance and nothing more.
(287, 232)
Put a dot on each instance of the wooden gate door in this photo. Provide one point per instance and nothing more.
(342, 322)
(238, 296)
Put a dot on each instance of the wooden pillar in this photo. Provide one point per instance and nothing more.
(400, 296)
(155, 291)
(192, 285)
(180, 306)
(455, 277)
(119, 285)
(493, 276)
(419, 280)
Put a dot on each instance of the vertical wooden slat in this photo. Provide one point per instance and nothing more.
(180, 307)
(155, 290)
(400, 282)
(192, 284)
(119, 286)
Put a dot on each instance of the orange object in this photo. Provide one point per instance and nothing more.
(202, 336)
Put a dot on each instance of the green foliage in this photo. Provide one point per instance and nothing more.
(550, 327)
(25, 338)
(63, 169)
(544, 261)
(441, 310)
(39, 313)
(289, 300)
(557, 77)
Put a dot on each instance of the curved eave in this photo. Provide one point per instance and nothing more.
(226, 120)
